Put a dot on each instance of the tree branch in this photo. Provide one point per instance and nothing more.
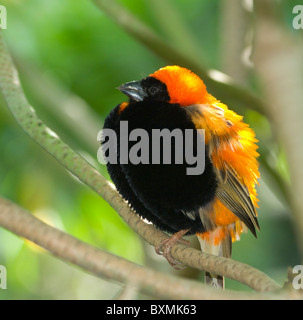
(47, 139)
(106, 265)
(96, 261)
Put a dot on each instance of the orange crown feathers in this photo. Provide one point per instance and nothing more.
(183, 86)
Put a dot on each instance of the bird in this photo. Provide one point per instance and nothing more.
(216, 205)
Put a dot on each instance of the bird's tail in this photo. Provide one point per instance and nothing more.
(210, 244)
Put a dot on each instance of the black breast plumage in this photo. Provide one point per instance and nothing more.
(161, 193)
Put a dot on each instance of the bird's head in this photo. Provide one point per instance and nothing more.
(171, 84)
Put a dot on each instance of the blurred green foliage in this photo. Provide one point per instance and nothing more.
(82, 53)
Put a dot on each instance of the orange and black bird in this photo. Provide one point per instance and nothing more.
(216, 205)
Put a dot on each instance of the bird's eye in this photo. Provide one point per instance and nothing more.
(153, 90)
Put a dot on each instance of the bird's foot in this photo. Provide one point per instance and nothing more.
(166, 245)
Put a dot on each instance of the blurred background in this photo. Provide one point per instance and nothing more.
(71, 57)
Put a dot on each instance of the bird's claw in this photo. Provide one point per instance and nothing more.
(166, 245)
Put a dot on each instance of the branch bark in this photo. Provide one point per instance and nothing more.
(106, 265)
(47, 139)
(96, 261)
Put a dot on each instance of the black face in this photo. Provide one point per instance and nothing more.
(148, 89)
(155, 89)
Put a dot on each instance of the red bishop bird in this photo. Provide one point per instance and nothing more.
(216, 205)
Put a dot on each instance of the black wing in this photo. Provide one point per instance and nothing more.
(235, 196)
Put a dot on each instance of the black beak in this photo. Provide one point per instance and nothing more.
(133, 90)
